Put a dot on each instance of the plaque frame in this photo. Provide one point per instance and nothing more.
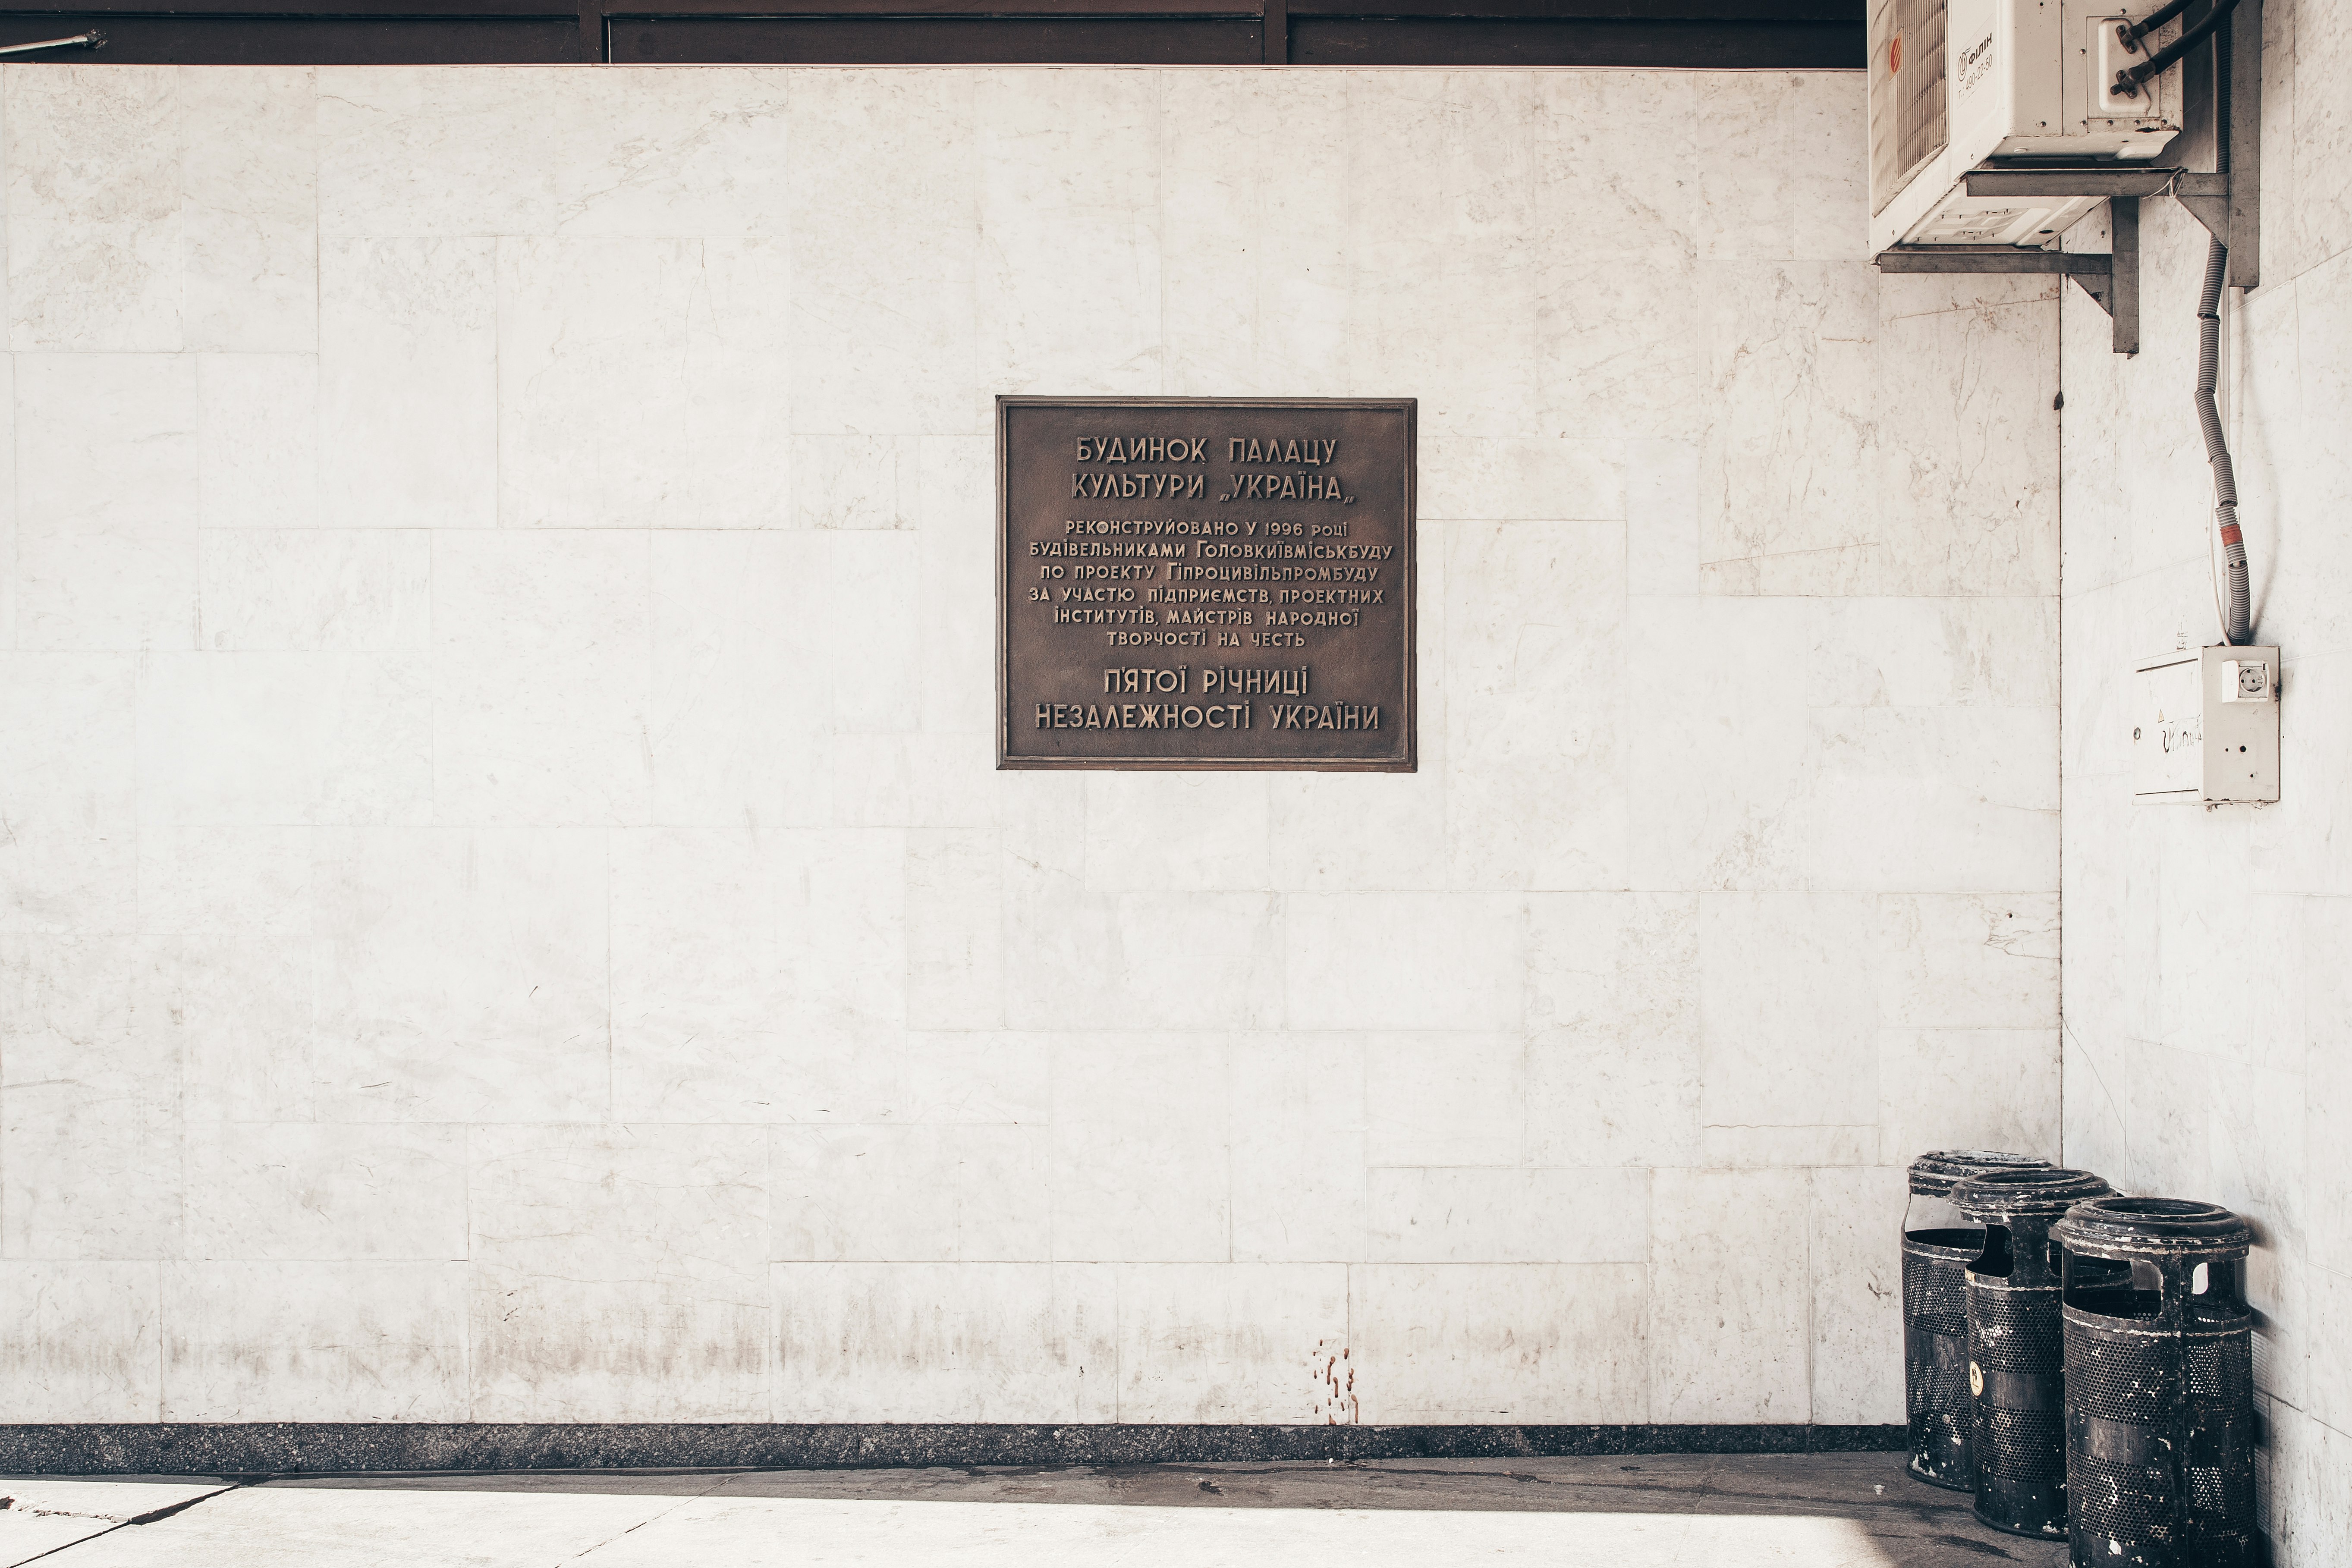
(1405, 762)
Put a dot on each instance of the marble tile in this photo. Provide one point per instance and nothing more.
(1176, 832)
(1613, 1100)
(2324, 1390)
(856, 481)
(1788, 1012)
(314, 1342)
(911, 1194)
(79, 1342)
(1940, 654)
(956, 636)
(642, 384)
(1066, 275)
(2277, 133)
(1534, 614)
(2327, 1095)
(106, 516)
(257, 424)
(1730, 1296)
(464, 976)
(1444, 1099)
(655, 152)
(1935, 798)
(2321, 216)
(1719, 748)
(1789, 371)
(249, 739)
(945, 1342)
(884, 340)
(757, 979)
(1077, 961)
(740, 707)
(541, 677)
(94, 209)
(239, 1013)
(68, 774)
(408, 382)
(1662, 551)
(1439, 230)
(616, 1270)
(2311, 1507)
(314, 591)
(1487, 1343)
(1973, 961)
(957, 1076)
(1611, 181)
(1623, 349)
(955, 929)
(1741, 1146)
(842, 920)
(1853, 1252)
(1969, 1088)
(534, 149)
(1964, 466)
(1297, 1158)
(7, 496)
(225, 879)
(1507, 479)
(1331, 833)
(89, 1107)
(318, 1192)
(1614, 994)
(1250, 1342)
(249, 210)
(1774, 174)
(1588, 1214)
(1140, 1126)
(1403, 961)
(1254, 255)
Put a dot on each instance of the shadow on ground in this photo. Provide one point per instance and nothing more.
(1918, 1526)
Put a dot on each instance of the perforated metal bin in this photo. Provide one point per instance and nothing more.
(2017, 1359)
(2159, 1385)
(1937, 1243)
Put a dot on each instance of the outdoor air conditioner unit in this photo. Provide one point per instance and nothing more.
(1957, 85)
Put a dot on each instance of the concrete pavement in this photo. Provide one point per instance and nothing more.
(1846, 1511)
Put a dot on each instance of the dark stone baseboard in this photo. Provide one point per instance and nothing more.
(293, 1447)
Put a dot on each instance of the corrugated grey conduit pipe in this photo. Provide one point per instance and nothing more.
(2237, 628)
(2237, 621)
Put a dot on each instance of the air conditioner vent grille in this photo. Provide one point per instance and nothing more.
(1909, 112)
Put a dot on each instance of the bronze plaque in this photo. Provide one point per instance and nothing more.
(1205, 583)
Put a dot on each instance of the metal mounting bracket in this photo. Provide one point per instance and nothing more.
(2112, 278)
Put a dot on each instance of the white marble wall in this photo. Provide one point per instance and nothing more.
(2208, 1005)
(506, 907)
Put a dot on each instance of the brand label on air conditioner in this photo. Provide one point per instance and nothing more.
(1976, 63)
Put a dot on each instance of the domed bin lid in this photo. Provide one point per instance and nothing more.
(1933, 1175)
(1996, 1196)
(2120, 1227)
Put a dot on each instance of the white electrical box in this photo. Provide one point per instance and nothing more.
(1957, 83)
(2205, 725)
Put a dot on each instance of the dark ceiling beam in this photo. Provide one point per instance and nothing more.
(1722, 34)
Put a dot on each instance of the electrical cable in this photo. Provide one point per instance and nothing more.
(2234, 627)
(2236, 620)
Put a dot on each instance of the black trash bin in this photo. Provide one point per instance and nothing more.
(2017, 1358)
(2159, 1385)
(1937, 1243)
